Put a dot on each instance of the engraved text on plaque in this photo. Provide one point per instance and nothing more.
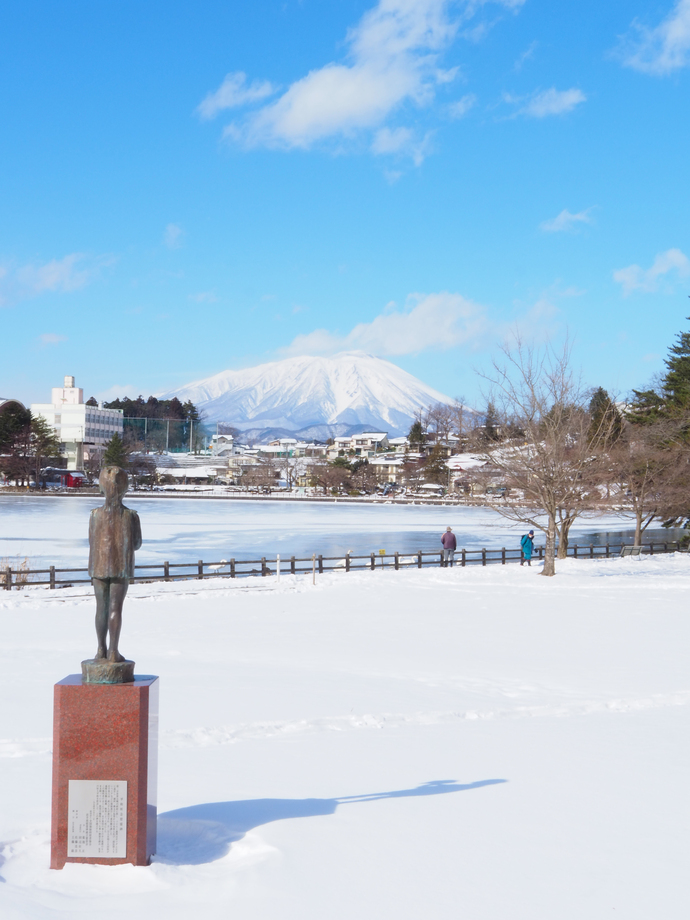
(97, 822)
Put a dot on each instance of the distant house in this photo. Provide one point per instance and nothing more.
(223, 445)
(364, 444)
(55, 478)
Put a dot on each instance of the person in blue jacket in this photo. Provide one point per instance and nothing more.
(527, 547)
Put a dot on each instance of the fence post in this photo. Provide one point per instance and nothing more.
(201, 569)
(397, 560)
(8, 579)
(574, 550)
(373, 562)
(232, 568)
(541, 551)
(263, 566)
(665, 547)
(591, 551)
(503, 555)
(320, 565)
(651, 549)
(347, 561)
(166, 570)
(52, 576)
(607, 551)
(441, 558)
(292, 565)
(464, 554)
(483, 555)
(419, 559)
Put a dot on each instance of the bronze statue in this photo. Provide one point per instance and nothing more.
(114, 535)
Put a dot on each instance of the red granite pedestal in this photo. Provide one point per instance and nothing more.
(106, 735)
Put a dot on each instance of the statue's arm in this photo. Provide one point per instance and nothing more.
(136, 531)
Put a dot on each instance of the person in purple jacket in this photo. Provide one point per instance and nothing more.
(449, 544)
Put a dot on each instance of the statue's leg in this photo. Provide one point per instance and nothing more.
(118, 590)
(100, 588)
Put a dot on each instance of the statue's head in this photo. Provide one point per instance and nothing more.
(113, 482)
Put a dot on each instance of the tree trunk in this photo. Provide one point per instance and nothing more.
(638, 528)
(563, 537)
(550, 549)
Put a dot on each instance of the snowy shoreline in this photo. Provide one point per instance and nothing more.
(476, 742)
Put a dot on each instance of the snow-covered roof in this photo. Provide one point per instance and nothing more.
(464, 462)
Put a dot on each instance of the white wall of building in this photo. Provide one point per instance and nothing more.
(79, 427)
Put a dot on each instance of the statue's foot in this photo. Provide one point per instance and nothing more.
(115, 656)
(101, 653)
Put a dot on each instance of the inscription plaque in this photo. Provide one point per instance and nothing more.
(97, 822)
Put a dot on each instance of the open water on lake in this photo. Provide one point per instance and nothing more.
(53, 530)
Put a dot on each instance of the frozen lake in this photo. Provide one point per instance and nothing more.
(53, 530)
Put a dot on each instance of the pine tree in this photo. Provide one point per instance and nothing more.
(435, 468)
(115, 453)
(416, 437)
(676, 384)
(45, 443)
(606, 424)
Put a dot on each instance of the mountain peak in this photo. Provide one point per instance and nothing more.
(350, 388)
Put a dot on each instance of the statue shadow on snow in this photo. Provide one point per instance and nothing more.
(203, 833)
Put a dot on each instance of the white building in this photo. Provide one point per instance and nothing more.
(223, 445)
(364, 444)
(78, 426)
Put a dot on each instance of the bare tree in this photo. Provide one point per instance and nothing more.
(553, 459)
(650, 464)
(440, 420)
(261, 475)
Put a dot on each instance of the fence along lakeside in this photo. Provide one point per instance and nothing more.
(291, 565)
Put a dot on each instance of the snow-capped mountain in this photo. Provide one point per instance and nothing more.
(349, 389)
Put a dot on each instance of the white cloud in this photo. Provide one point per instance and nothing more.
(204, 297)
(234, 91)
(392, 60)
(526, 55)
(52, 338)
(429, 321)
(172, 238)
(663, 49)
(402, 141)
(552, 102)
(566, 221)
(60, 276)
(460, 108)
(635, 278)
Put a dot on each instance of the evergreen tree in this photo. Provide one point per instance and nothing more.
(115, 453)
(491, 423)
(676, 384)
(45, 444)
(646, 407)
(671, 398)
(416, 437)
(606, 422)
(435, 468)
(14, 420)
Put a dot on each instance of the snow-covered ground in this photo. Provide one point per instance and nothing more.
(473, 743)
(53, 530)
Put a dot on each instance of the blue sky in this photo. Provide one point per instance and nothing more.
(186, 187)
